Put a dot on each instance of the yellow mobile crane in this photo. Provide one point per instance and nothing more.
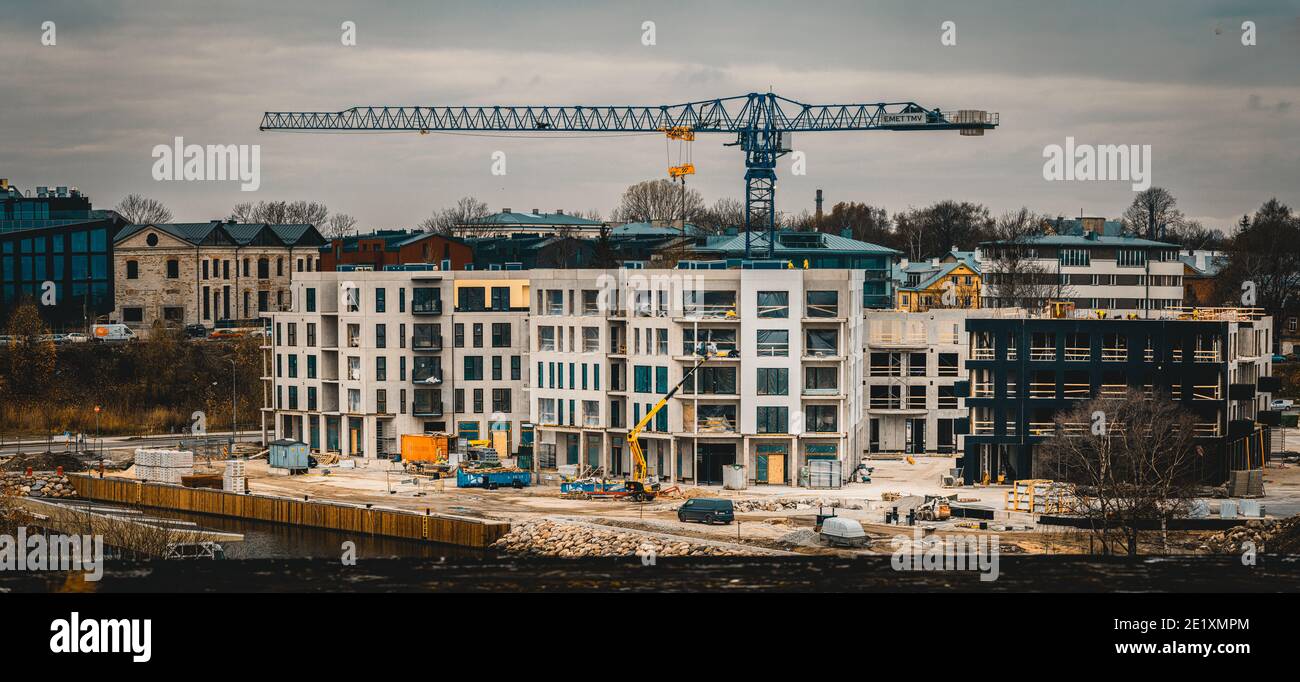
(640, 486)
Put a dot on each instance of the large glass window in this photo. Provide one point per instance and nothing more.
(774, 304)
(773, 381)
(823, 304)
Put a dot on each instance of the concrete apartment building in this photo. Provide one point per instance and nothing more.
(1022, 372)
(608, 344)
(365, 356)
(913, 362)
(203, 273)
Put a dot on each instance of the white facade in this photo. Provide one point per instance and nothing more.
(912, 361)
(609, 344)
(365, 357)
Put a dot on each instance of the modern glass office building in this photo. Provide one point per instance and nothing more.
(54, 235)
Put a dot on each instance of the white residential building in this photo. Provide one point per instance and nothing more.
(1121, 275)
(365, 356)
(913, 361)
(608, 344)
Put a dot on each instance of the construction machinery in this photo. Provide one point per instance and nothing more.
(763, 125)
(640, 486)
(935, 508)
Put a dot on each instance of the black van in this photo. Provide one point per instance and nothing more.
(706, 510)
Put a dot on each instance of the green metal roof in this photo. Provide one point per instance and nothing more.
(1085, 242)
(791, 242)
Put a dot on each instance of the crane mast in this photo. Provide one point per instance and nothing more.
(762, 123)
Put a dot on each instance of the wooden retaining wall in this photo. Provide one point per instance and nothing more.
(452, 530)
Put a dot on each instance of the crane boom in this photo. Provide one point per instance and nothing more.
(761, 122)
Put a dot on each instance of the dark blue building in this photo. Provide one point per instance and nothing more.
(54, 235)
(1023, 372)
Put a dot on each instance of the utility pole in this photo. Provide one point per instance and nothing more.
(234, 414)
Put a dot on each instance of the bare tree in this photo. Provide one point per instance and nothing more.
(31, 356)
(452, 221)
(340, 225)
(865, 222)
(281, 212)
(659, 200)
(1131, 461)
(1152, 213)
(725, 213)
(139, 210)
(935, 229)
(1014, 277)
(1265, 252)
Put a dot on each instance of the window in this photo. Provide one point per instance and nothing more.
(132, 315)
(501, 400)
(1134, 258)
(426, 300)
(470, 299)
(381, 336)
(823, 304)
(821, 380)
(773, 420)
(821, 418)
(516, 369)
(545, 338)
(263, 268)
(311, 300)
(773, 381)
(641, 379)
(426, 370)
(381, 303)
(712, 381)
(478, 401)
(723, 339)
(774, 304)
(821, 342)
(500, 334)
(473, 368)
(947, 364)
(916, 364)
(774, 342)
(173, 269)
(352, 299)
(478, 334)
(591, 339)
(496, 368)
(459, 400)
(311, 334)
(381, 369)
(947, 398)
(501, 298)
(311, 366)
(1075, 257)
(132, 269)
(381, 401)
(458, 333)
(661, 380)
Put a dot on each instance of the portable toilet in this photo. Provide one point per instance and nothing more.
(288, 454)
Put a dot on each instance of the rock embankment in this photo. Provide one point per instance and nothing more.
(798, 503)
(1275, 536)
(39, 484)
(549, 538)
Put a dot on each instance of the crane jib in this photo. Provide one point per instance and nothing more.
(761, 122)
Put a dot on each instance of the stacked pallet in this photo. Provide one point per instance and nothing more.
(235, 479)
(163, 466)
(1246, 483)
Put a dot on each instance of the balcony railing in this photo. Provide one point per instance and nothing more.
(703, 311)
(892, 339)
(774, 348)
(420, 409)
(433, 343)
(715, 425)
(426, 378)
(1042, 390)
(426, 308)
(1074, 354)
(1207, 392)
(982, 389)
(1211, 355)
(1042, 353)
(982, 428)
(1114, 354)
(1204, 430)
(981, 354)
(1077, 390)
(1113, 390)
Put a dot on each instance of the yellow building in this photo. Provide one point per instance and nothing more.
(953, 281)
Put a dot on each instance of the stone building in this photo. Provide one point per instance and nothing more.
(204, 273)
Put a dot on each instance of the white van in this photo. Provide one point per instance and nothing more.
(112, 333)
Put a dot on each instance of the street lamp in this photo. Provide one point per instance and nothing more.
(98, 443)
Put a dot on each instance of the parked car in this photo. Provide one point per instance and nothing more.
(1281, 404)
(706, 510)
(76, 337)
(196, 331)
(226, 334)
(1279, 358)
(112, 333)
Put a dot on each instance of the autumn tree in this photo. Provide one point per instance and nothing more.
(31, 357)
(1131, 461)
(138, 209)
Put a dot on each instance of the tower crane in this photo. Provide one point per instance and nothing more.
(763, 125)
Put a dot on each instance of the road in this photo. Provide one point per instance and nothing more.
(117, 442)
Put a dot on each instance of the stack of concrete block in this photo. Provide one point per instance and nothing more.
(235, 479)
(163, 466)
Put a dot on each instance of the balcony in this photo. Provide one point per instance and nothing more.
(1047, 353)
(427, 409)
(426, 307)
(981, 353)
(1114, 354)
(897, 340)
(715, 424)
(426, 343)
(1077, 354)
(720, 312)
(426, 378)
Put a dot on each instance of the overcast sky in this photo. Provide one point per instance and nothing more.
(1222, 119)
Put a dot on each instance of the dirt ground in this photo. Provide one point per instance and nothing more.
(386, 485)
